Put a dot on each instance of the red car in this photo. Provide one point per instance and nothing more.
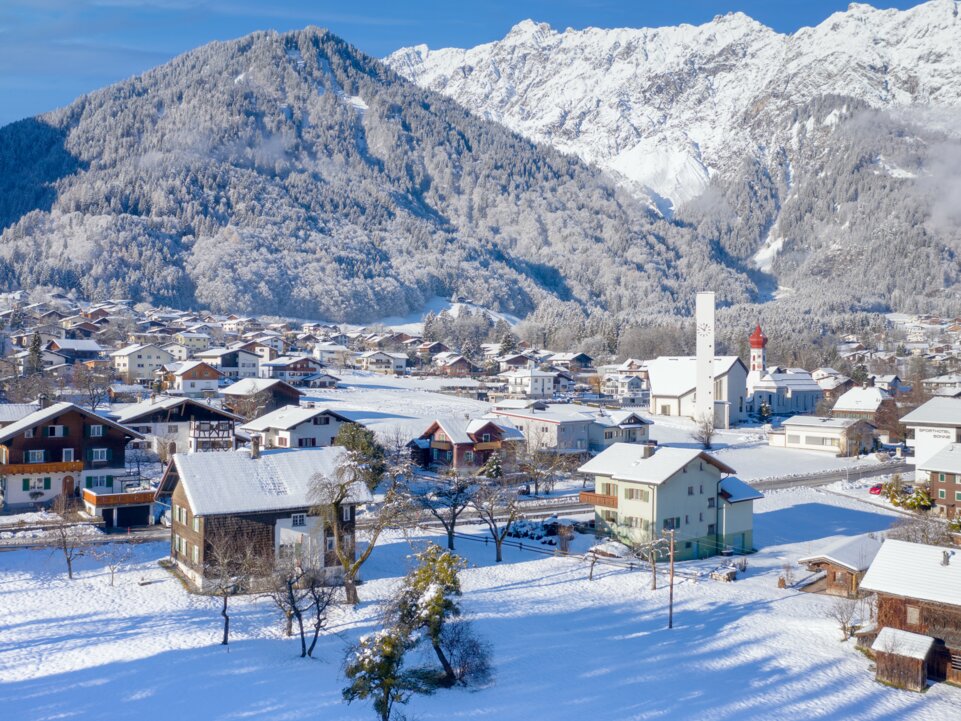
(875, 490)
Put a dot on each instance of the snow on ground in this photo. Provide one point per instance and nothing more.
(739, 652)
(746, 450)
(30, 518)
(388, 403)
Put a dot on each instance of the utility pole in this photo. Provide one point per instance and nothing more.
(670, 597)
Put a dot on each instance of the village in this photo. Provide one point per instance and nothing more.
(178, 467)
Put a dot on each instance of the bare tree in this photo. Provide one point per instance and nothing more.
(230, 564)
(843, 611)
(67, 531)
(538, 460)
(921, 528)
(496, 503)
(704, 431)
(114, 555)
(251, 406)
(92, 383)
(332, 496)
(445, 499)
(652, 552)
(302, 593)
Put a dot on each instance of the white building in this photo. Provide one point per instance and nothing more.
(836, 436)
(304, 426)
(933, 426)
(529, 383)
(194, 378)
(573, 428)
(639, 493)
(181, 424)
(781, 390)
(379, 361)
(139, 362)
(232, 362)
(673, 381)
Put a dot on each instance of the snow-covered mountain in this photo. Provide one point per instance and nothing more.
(668, 109)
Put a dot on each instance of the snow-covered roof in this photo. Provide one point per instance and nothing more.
(902, 643)
(947, 460)
(572, 412)
(519, 373)
(855, 554)
(286, 360)
(50, 413)
(250, 386)
(233, 482)
(737, 491)
(133, 348)
(936, 412)
(78, 344)
(626, 462)
(676, 376)
(822, 422)
(190, 365)
(137, 411)
(11, 412)
(289, 417)
(861, 399)
(915, 570)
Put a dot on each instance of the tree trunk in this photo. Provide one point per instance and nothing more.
(223, 612)
(350, 590)
(313, 641)
(449, 677)
(303, 637)
(69, 568)
(288, 624)
(497, 545)
(450, 537)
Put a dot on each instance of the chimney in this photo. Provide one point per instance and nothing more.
(255, 446)
(43, 400)
(945, 558)
(647, 450)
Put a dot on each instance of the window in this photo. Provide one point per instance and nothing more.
(631, 521)
(196, 525)
(96, 431)
(28, 433)
(67, 455)
(690, 490)
(196, 553)
(637, 494)
(35, 456)
(702, 489)
(700, 517)
(672, 523)
(307, 442)
(957, 495)
(711, 529)
(710, 502)
(298, 520)
(322, 421)
(609, 516)
(56, 431)
(913, 615)
(794, 439)
(37, 484)
(330, 543)
(172, 428)
(941, 477)
(608, 489)
(469, 456)
(345, 514)
(485, 438)
(687, 519)
(98, 455)
(281, 441)
(942, 494)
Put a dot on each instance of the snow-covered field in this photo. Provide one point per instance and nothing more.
(563, 645)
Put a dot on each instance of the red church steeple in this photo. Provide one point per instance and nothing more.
(758, 339)
(758, 356)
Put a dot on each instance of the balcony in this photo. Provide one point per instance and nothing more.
(441, 445)
(107, 498)
(488, 446)
(598, 499)
(52, 467)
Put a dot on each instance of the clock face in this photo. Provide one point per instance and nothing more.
(704, 329)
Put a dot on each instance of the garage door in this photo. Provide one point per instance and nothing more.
(133, 516)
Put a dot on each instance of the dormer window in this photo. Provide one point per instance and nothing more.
(298, 520)
(96, 431)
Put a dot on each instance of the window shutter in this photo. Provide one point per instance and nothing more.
(66, 431)
(26, 484)
(89, 483)
(89, 454)
(46, 484)
(110, 454)
(109, 481)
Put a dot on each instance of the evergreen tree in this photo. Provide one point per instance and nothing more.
(493, 468)
(365, 451)
(375, 669)
(35, 357)
(508, 344)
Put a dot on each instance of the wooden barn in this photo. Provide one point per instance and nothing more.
(919, 591)
(901, 658)
(843, 563)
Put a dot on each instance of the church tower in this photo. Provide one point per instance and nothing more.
(758, 355)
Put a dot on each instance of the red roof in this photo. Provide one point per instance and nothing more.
(758, 339)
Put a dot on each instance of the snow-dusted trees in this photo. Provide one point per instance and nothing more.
(445, 500)
(67, 532)
(300, 590)
(231, 562)
(375, 670)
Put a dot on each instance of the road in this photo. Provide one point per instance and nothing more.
(825, 478)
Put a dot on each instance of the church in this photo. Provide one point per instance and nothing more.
(785, 391)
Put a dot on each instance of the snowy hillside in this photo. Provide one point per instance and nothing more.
(666, 109)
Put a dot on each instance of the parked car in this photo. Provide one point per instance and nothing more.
(875, 490)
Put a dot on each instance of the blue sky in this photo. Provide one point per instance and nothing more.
(51, 51)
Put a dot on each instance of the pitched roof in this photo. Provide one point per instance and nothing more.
(902, 643)
(914, 570)
(947, 460)
(675, 376)
(73, 344)
(250, 386)
(626, 462)
(190, 365)
(49, 413)
(136, 411)
(855, 553)
(11, 412)
(861, 399)
(734, 490)
(288, 417)
(936, 412)
(233, 482)
(822, 422)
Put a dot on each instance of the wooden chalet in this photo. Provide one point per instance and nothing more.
(918, 591)
(843, 564)
(464, 446)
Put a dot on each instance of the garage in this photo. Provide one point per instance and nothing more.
(133, 516)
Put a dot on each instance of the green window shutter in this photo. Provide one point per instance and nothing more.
(110, 454)
(89, 454)
(89, 483)
(26, 484)
(109, 481)
(46, 484)
(66, 431)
